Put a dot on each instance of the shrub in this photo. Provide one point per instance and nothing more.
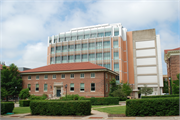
(151, 107)
(24, 103)
(47, 107)
(72, 97)
(81, 98)
(33, 97)
(161, 96)
(104, 101)
(6, 107)
(24, 93)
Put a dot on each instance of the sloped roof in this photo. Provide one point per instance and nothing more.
(66, 67)
(165, 51)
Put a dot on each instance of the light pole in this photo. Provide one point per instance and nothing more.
(66, 91)
(170, 85)
(15, 93)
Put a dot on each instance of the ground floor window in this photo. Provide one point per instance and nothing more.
(37, 87)
(29, 87)
(82, 87)
(92, 86)
(72, 87)
(45, 87)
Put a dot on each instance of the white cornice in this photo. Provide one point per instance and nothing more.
(170, 53)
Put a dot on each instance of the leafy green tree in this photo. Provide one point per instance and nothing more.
(11, 80)
(113, 86)
(126, 88)
(175, 85)
(119, 93)
(165, 88)
(146, 90)
(4, 93)
(24, 93)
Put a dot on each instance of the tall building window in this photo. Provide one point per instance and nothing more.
(91, 46)
(52, 50)
(74, 37)
(71, 58)
(64, 59)
(37, 87)
(106, 44)
(71, 47)
(100, 34)
(115, 44)
(58, 49)
(68, 38)
(62, 39)
(58, 59)
(84, 58)
(107, 33)
(93, 87)
(37, 77)
(52, 60)
(82, 75)
(78, 47)
(99, 45)
(116, 33)
(91, 57)
(84, 46)
(45, 76)
(72, 75)
(86, 36)
(106, 56)
(55, 40)
(54, 76)
(29, 77)
(82, 87)
(107, 66)
(80, 37)
(99, 56)
(62, 76)
(99, 64)
(45, 87)
(72, 87)
(77, 58)
(29, 87)
(116, 67)
(93, 35)
(92, 75)
(116, 55)
(64, 48)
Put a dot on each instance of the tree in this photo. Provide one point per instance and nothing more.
(24, 93)
(4, 93)
(11, 80)
(126, 88)
(113, 86)
(146, 90)
(119, 93)
(175, 85)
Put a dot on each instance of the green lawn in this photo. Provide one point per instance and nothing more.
(21, 110)
(96, 106)
(113, 110)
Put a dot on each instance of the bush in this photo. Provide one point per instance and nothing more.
(24, 103)
(153, 107)
(33, 97)
(81, 98)
(161, 96)
(47, 107)
(6, 107)
(24, 93)
(73, 97)
(104, 101)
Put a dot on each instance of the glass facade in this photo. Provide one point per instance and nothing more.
(99, 56)
(58, 59)
(91, 46)
(116, 33)
(84, 58)
(106, 44)
(84, 46)
(116, 67)
(71, 48)
(52, 50)
(64, 48)
(77, 58)
(91, 57)
(107, 66)
(64, 59)
(106, 56)
(78, 47)
(107, 34)
(70, 58)
(52, 60)
(99, 45)
(58, 49)
(116, 55)
(115, 44)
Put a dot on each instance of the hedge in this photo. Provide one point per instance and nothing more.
(24, 103)
(152, 107)
(6, 107)
(46, 107)
(104, 101)
(161, 96)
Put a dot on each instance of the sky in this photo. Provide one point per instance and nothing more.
(26, 24)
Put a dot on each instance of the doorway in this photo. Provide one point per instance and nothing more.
(58, 93)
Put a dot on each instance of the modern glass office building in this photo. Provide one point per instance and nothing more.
(135, 55)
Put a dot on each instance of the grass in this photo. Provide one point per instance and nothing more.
(21, 110)
(113, 110)
(97, 106)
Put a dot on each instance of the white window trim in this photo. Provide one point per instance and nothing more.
(35, 89)
(45, 78)
(95, 87)
(28, 77)
(53, 75)
(47, 88)
(64, 76)
(36, 78)
(70, 88)
(71, 77)
(94, 75)
(80, 87)
(82, 77)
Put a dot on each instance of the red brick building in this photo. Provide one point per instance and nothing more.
(86, 79)
(172, 58)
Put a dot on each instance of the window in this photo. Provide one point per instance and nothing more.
(55, 40)
(86, 36)
(74, 37)
(92, 86)
(58, 59)
(91, 57)
(77, 58)
(52, 60)
(84, 58)
(45, 87)
(115, 44)
(72, 75)
(58, 49)
(29, 87)
(52, 50)
(106, 75)
(99, 45)
(45, 76)
(107, 33)
(93, 35)
(68, 38)
(29, 77)
(106, 87)
(62, 76)
(99, 64)
(116, 33)
(37, 77)
(71, 58)
(61, 39)
(100, 34)
(71, 47)
(107, 66)
(92, 75)
(82, 87)
(72, 87)
(107, 56)
(116, 55)
(106, 44)
(116, 67)
(37, 87)
(82, 75)
(99, 56)
(54, 76)
(91, 45)
(80, 37)
(84, 46)
(78, 47)
(64, 59)
(64, 48)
